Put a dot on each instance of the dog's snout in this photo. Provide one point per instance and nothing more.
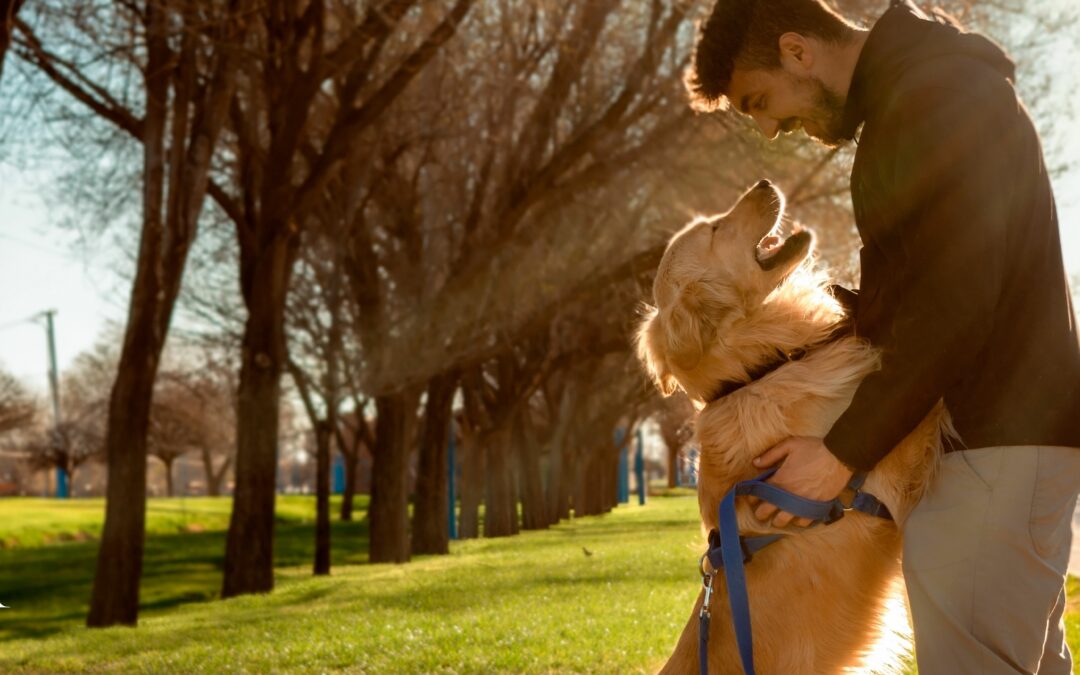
(763, 183)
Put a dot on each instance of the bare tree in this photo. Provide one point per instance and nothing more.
(84, 400)
(316, 316)
(177, 425)
(674, 418)
(184, 53)
(289, 140)
(18, 409)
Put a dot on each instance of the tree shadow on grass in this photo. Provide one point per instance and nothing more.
(48, 587)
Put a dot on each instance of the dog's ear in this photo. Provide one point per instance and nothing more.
(692, 322)
(652, 350)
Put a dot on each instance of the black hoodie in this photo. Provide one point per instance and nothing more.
(963, 285)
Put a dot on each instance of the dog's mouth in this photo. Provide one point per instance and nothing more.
(777, 250)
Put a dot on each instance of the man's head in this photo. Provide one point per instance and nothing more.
(785, 63)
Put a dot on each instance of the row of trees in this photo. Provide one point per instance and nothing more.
(415, 207)
(423, 212)
(192, 414)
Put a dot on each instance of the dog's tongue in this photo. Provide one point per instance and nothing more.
(769, 242)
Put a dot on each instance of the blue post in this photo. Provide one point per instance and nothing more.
(61, 484)
(339, 475)
(451, 515)
(622, 491)
(639, 467)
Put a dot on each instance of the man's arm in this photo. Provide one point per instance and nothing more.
(950, 207)
(949, 212)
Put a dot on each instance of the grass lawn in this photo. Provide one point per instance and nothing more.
(537, 602)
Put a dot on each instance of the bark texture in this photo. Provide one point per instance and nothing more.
(500, 500)
(430, 533)
(322, 498)
(249, 546)
(389, 512)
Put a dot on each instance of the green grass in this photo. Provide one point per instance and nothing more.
(531, 603)
(31, 521)
(48, 586)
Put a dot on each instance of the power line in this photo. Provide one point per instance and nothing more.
(19, 322)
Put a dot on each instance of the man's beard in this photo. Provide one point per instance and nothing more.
(826, 112)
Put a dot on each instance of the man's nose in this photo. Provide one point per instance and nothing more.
(769, 127)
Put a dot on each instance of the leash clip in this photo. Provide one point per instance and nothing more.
(706, 583)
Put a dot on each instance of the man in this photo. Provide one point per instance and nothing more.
(964, 290)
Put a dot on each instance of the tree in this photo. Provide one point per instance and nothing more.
(431, 510)
(184, 53)
(176, 425)
(17, 408)
(674, 418)
(84, 401)
(290, 140)
(316, 315)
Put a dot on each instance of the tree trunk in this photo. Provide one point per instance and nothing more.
(249, 548)
(322, 498)
(591, 486)
(431, 512)
(389, 512)
(565, 483)
(169, 488)
(214, 486)
(560, 466)
(500, 507)
(115, 595)
(168, 228)
(672, 466)
(611, 476)
(213, 479)
(472, 484)
(534, 512)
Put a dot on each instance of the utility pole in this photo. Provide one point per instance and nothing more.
(54, 389)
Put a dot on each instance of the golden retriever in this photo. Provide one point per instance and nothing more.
(732, 295)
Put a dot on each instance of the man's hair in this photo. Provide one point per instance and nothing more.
(746, 33)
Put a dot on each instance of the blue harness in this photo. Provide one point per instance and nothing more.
(731, 551)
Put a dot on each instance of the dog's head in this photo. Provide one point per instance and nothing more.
(714, 273)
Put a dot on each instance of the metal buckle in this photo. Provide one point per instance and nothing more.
(836, 512)
(706, 582)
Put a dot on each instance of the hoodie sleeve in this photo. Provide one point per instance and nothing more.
(949, 186)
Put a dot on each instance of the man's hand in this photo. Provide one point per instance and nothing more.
(808, 470)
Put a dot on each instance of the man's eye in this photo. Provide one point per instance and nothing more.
(759, 104)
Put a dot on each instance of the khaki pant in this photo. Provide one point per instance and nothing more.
(985, 556)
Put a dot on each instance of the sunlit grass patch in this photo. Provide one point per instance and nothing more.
(600, 594)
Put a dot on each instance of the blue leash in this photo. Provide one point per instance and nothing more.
(731, 551)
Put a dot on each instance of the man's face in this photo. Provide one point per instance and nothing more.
(780, 101)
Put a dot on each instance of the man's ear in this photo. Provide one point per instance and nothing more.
(691, 323)
(796, 53)
(652, 350)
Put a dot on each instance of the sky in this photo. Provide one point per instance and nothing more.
(41, 267)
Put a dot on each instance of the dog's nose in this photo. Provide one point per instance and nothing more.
(763, 183)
